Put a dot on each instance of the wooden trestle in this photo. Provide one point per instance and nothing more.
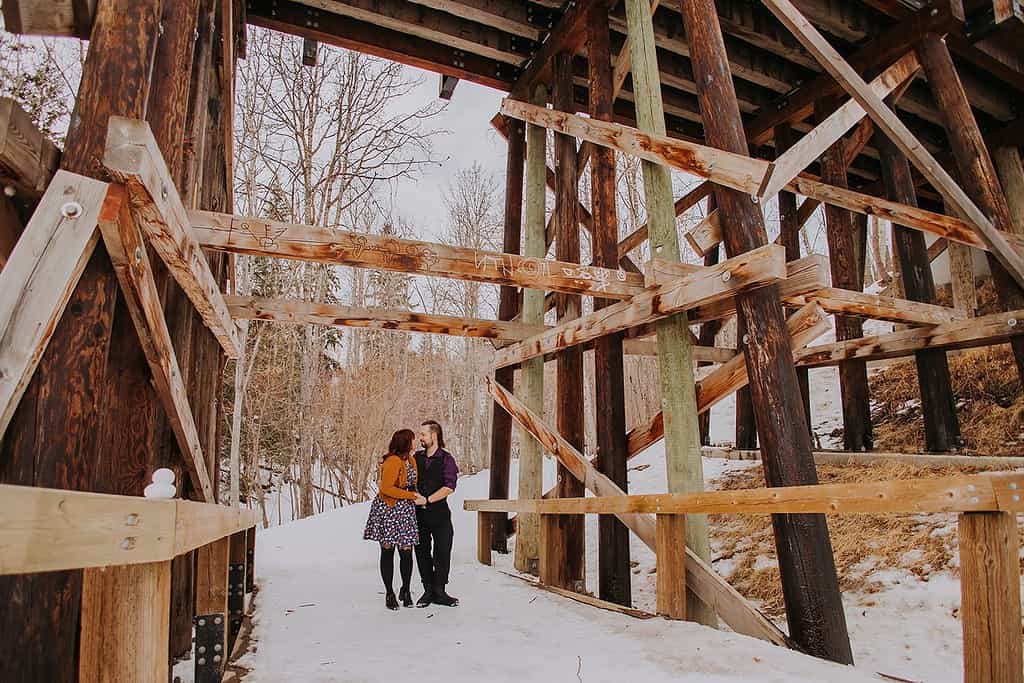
(114, 323)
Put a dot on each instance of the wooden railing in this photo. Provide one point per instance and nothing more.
(986, 504)
(126, 544)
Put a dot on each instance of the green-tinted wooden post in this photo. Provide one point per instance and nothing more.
(675, 358)
(531, 381)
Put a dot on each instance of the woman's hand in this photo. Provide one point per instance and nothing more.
(420, 500)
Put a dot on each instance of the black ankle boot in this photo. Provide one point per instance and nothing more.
(426, 598)
(440, 597)
(405, 595)
(390, 600)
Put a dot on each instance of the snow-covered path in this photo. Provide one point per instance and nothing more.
(320, 616)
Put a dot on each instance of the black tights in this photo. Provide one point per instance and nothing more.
(387, 565)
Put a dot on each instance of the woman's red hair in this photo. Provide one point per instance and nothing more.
(401, 442)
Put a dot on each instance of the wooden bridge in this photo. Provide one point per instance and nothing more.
(117, 306)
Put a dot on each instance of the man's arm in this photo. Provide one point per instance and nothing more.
(451, 476)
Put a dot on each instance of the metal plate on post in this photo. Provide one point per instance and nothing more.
(250, 563)
(209, 655)
(236, 600)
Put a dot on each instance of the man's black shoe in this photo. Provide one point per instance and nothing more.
(391, 601)
(442, 598)
(405, 595)
(426, 598)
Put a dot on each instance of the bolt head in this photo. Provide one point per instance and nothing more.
(163, 192)
(71, 210)
(202, 661)
(1012, 322)
(726, 276)
(217, 620)
(132, 519)
(202, 622)
(201, 649)
(746, 339)
(9, 190)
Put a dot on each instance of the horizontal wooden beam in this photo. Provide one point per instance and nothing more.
(130, 258)
(990, 492)
(961, 334)
(38, 279)
(28, 159)
(828, 457)
(754, 268)
(334, 315)
(743, 173)
(255, 236)
(133, 158)
(711, 588)
(50, 529)
(361, 36)
(878, 307)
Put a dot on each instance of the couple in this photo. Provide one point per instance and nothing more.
(411, 509)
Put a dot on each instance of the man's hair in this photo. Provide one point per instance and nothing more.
(436, 428)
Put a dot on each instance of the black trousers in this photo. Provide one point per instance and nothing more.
(434, 551)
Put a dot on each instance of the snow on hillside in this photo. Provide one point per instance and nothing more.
(320, 617)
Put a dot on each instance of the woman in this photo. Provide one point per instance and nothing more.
(392, 520)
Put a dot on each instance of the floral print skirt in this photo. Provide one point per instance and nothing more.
(394, 525)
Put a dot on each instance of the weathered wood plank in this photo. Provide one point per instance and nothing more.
(975, 493)
(41, 274)
(990, 596)
(44, 529)
(700, 577)
(752, 269)
(132, 157)
(258, 237)
(335, 315)
(28, 159)
(850, 302)
(131, 605)
(962, 334)
(127, 250)
(670, 556)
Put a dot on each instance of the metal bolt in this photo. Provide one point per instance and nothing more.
(1012, 322)
(754, 198)
(132, 519)
(726, 276)
(71, 210)
(201, 649)
(217, 648)
(216, 620)
(138, 255)
(127, 543)
(934, 11)
(1013, 485)
(1015, 497)
(746, 339)
(970, 487)
(202, 622)
(163, 192)
(974, 500)
(216, 659)
(9, 190)
(202, 661)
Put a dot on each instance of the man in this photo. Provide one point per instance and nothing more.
(437, 476)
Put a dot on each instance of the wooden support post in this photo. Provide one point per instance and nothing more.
(569, 362)
(974, 163)
(675, 360)
(990, 597)
(961, 277)
(670, 558)
(941, 427)
(531, 374)
(810, 586)
(508, 304)
(236, 418)
(842, 252)
(236, 586)
(789, 237)
(746, 427)
(614, 578)
(211, 586)
(708, 331)
(484, 525)
(129, 605)
(92, 373)
(1011, 175)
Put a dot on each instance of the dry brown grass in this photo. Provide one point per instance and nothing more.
(988, 392)
(862, 544)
